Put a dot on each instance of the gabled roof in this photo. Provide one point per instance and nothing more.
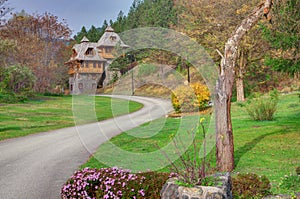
(110, 39)
(82, 48)
(84, 39)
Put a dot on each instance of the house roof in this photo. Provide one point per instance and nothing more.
(110, 39)
(82, 49)
(84, 39)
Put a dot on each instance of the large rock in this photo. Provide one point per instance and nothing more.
(221, 190)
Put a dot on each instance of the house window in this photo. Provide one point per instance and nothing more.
(95, 65)
(89, 52)
(80, 86)
(108, 50)
(71, 87)
(94, 86)
(94, 76)
(100, 65)
(113, 38)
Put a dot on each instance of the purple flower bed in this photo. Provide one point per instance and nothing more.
(113, 183)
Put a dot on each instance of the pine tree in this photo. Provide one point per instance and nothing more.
(93, 34)
(78, 37)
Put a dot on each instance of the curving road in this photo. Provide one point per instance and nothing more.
(36, 166)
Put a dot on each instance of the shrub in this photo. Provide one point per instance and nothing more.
(16, 84)
(153, 183)
(190, 98)
(263, 107)
(17, 79)
(290, 184)
(250, 185)
(7, 97)
(49, 94)
(113, 183)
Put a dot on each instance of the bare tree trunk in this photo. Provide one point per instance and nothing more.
(240, 94)
(224, 139)
(240, 89)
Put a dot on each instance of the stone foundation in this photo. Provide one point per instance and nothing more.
(84, 83)
(221, 190)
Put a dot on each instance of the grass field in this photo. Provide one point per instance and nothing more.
(267, 148)
(49, 113)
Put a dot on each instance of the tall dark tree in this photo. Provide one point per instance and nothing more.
(93, 34)
(78, 37)
(119, 25)
(105, 24)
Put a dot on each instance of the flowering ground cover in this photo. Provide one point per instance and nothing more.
(113, 183)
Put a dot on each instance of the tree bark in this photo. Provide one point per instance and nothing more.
(224, 134)
(240, 94)
(240, 88)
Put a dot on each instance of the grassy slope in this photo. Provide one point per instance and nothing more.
(49, 113)
(269, 148)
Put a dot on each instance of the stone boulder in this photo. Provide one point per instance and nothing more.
(221, 190)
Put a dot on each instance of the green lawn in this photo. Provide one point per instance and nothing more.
(270, 148)
(49, 113)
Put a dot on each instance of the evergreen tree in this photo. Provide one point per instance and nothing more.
(151, 13)
(80, 34)
(105, 24)
(119, 25)
(93, 34)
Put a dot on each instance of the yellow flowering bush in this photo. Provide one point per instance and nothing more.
(193, 97)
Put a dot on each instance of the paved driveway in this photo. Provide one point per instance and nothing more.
(36, 166)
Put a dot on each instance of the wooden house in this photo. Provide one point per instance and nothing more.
(89, 63)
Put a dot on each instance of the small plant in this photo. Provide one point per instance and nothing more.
(290, 184)
(263, 107)
(250, 185)
(193, 97)
(191, 170)
(208, 181)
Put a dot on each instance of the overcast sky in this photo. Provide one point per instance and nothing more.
(77, 13)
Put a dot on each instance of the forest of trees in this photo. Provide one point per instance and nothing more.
(268, 56)
(35, 47)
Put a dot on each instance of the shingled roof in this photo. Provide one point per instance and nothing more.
(82, 49)
(110, 39)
